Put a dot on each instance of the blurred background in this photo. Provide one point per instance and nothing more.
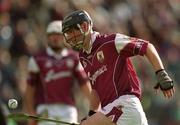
(22, 33)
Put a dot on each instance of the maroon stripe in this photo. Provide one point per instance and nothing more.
(115, 113)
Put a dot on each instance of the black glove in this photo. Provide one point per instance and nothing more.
(90, 113)
(164, 81)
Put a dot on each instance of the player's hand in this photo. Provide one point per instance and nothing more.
(165, 83)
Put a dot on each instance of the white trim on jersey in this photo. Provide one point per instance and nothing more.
(63, 53)
(52, 75)
(79, 67)
(32, 65)
(93, 38)
(121, 41)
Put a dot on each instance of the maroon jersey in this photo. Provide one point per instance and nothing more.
(109, 68)
(54, 75)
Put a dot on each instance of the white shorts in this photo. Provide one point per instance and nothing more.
(61, 112)
(126, 110)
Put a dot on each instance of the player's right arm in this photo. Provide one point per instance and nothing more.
(95, 104)
(29, 101)
(86, 88)
(91, 94)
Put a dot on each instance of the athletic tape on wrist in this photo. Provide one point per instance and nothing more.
(91, 112)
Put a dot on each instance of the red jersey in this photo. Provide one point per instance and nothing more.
(108, 65)
(54, 75)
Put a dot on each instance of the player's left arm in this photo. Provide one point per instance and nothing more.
(165, 83)
(130, 46)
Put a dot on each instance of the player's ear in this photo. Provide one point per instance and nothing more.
(85, 26)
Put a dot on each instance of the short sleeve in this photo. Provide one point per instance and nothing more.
(121, 41)
(130, 46)
(33, 72)
(32, 65)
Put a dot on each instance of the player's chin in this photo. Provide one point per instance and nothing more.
(77, 47)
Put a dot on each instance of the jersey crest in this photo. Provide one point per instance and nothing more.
(100, 56)
(84, 64)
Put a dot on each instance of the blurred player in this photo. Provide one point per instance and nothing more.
(52, 75)
(115, 84)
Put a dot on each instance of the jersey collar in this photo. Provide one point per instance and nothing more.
(63, 53)
(94, 34)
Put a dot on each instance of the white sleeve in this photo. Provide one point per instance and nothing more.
(121, 41)
(32, 65)
(79, 67)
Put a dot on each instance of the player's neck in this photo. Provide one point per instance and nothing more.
(87, 43)
(57, 50)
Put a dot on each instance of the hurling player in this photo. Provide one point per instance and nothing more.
(52, 75)
(106, 60)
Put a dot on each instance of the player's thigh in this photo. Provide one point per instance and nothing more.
(132, 116)
(98, 119)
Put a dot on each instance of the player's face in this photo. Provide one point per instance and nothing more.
(55, 41)
(75, 37)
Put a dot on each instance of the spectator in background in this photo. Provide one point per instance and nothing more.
(2, 116)
(8, 83)
(52, 75)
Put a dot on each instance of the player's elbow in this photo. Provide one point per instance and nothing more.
(150, 46)
(150, 49)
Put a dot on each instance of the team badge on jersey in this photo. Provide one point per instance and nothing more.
(84, 64)
(100, 56)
